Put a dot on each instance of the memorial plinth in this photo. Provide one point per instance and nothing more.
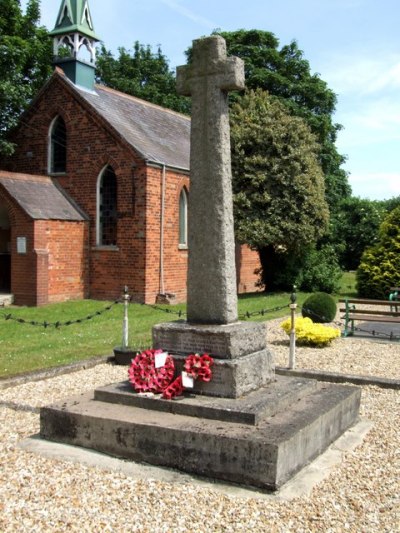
(242, 361)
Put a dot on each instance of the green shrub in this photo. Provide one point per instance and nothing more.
(311, 269)
(311, 334)
(320, 272)
(320, 307)
(380, 264)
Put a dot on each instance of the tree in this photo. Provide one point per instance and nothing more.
(25, 62)
(278, 184)
(380, 264)
(391, 203)
(356, 225)
(141, 73)
(285, 73)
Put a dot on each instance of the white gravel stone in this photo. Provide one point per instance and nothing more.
(46, 495)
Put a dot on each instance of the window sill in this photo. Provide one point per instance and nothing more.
(100, 248)
(57, 174)
(182, 247)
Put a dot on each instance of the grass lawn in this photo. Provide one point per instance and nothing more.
(24, 347)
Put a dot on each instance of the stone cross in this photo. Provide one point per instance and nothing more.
(212, 297)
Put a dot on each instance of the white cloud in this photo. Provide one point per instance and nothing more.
(187, 13)
(375, 185)
(372, 121)
(363, 72)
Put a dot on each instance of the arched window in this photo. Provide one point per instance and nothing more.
(183, 204)
(57, 146)
(107, 208)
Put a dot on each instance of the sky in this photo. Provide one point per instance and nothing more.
(353, 45)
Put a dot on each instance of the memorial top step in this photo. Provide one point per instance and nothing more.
(249, 409)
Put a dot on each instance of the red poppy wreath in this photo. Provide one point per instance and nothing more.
(144, 375)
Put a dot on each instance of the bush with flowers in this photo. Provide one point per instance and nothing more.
(310, 333)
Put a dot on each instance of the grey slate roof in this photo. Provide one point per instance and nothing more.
(40, 197)
(157, 134)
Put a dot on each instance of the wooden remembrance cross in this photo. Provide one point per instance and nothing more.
(212, 292)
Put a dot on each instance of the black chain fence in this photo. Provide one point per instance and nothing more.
(179, 313)
(58, 324)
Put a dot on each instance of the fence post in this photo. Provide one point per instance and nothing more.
(292, 349)
(125, 325)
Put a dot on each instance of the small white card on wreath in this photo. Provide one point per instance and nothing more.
(187, 381)
(160, 359)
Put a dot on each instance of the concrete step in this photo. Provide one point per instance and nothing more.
(265, 455)
(6, 300)
(248, 409)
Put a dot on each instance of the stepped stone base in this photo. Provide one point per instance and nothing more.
(262, 439)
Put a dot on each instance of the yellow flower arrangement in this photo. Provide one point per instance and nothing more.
(308, 332)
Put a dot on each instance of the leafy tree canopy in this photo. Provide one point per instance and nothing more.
(277, 181)
(25, 62)
(278, 185)
(380, 264)
(356, 226)
(141, 73)
(285, 73)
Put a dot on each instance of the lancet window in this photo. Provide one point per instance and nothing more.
(107, 208)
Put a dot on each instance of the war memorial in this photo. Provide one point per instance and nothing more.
(247, 425)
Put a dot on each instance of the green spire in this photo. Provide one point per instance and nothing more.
(74, 17)
(72, 32)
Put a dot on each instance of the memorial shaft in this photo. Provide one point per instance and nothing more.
(212, 291)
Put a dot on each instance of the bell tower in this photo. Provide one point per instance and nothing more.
(72, 33)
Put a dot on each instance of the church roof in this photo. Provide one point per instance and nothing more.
(159, 135)
(40, 197)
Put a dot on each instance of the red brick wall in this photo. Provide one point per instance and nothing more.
(64, 244)
(247, 267)
(54, 267)
(135, 262)
(174, 259)
(90, 147)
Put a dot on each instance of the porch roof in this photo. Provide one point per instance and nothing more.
(40, 197)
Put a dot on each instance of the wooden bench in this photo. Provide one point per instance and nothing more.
(394, 296)
(352, 312)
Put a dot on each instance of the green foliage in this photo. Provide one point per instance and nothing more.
(312, 269)
(310, 334)
(391, 203)
(277, 181)
(319, 271)
(141, 73)
(356, 226)
(319, 307)
(25, 62)
(380, 264)
(286, 74)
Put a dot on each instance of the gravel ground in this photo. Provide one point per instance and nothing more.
(360, 495)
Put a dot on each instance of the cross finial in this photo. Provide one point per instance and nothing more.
(210, 61)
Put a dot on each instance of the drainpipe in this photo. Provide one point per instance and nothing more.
(162, 216)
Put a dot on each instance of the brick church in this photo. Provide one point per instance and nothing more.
(95, 196)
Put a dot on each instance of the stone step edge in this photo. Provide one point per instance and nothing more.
(267, 401)
(39, 375)
(336, 377)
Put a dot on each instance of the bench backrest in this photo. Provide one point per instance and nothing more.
(366, 301)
